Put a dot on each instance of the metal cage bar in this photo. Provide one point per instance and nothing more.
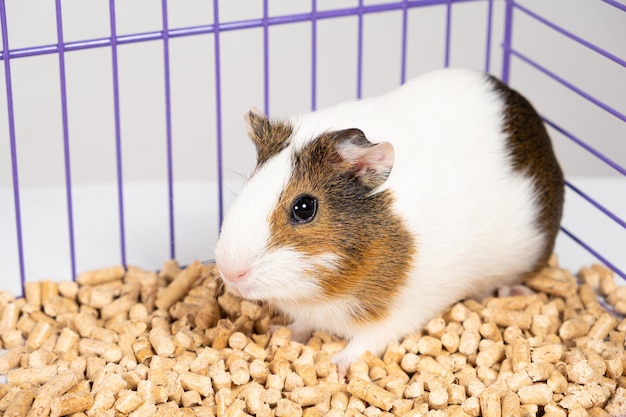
(118, 131)
(66, 139)
(168, 129)
(13, 145)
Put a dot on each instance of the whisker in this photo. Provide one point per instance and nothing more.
(230, 191)
(239, 174)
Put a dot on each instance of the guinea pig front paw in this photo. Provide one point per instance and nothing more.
(299, 333)
(513, 290)
(344, 358)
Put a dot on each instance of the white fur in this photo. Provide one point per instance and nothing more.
(244, 234)
(450, 171)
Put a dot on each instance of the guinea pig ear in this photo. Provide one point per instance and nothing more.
(369, 163)
(268, 137)
(258, 125)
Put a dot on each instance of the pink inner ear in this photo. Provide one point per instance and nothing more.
(378, 158)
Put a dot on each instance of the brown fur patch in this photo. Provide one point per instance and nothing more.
(269, 137)
(373, 246)
(532, 153)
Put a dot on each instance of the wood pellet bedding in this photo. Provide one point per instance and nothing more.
(137, 343)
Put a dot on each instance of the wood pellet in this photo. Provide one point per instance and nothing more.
(138, 343)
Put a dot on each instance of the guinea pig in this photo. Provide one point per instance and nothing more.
(369, 218)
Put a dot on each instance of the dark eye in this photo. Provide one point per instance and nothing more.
(303, 209)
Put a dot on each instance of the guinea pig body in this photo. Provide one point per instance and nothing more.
(370, 218)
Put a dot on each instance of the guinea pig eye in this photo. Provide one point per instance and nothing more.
(303, 209)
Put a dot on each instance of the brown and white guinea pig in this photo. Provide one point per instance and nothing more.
(368, 219)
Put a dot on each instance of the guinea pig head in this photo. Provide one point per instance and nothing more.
(314, 221)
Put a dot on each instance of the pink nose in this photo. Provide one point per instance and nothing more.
(234, 276)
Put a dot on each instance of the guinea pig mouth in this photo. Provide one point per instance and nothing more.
(249, 291)
(239, 289)
(231, 288)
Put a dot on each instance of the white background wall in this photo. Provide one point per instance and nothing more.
(36, 95)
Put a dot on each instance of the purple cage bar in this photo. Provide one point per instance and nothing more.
(61, 47)
(510, 52)
(168, 128)
(118, 132)
(66, 141)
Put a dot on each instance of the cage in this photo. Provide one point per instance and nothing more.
(122, 140)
